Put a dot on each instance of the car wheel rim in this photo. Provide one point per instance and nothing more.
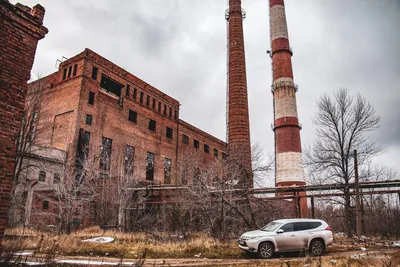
(266, 251)
(316, 248)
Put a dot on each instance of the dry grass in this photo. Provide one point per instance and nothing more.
(166, 245)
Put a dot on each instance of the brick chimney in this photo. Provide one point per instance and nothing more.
(239, 148)
(288, 157)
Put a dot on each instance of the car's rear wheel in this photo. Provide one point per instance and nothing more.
(265, 250)
(316, 247)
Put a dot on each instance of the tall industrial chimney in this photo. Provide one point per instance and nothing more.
(288, 157)
(239, 148)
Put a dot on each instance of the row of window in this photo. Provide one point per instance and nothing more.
(68, 72)
(105, 160)
(42, 177)
(206, 148)
(150, 102)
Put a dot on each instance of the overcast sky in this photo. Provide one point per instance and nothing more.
(179, 46)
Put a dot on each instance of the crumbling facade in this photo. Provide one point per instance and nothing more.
(20, 30)
(91, 108)
(288, 156)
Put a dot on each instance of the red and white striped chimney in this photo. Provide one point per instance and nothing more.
(289, 168)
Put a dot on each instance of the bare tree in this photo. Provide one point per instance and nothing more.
(343, 123)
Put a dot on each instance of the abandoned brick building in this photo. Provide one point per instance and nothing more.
(90, 106)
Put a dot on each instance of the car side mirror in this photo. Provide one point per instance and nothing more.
(280, 231)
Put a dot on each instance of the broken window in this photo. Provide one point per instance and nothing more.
(141, 97)
(215, 153)
(185, 139)
(45, 204)
(170, 112)
(206, 148)
(91, 98)
(88, 119)
(152, 125)
(129, 160)
(223, 155)
(148, 101)
(196, 144)
(69, 71)
(150, 166)
(105, 157)
(65, 74)
(132, 116)
(94, 73)
(56, 178)
(42, 176)
(169, 132)
(167, 170)
(134, 93)
(111, 86)
(154, 104)
(75, 69)
(128, 88)
(159, 107)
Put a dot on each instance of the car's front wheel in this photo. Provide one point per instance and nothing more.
(265, 250)
(316, 248)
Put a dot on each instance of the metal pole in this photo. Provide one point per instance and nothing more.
(358, 202)
(312, 208)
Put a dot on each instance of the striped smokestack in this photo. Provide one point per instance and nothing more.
(239, 148)
(288, 157)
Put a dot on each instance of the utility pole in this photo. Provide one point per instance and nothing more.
(358, 202)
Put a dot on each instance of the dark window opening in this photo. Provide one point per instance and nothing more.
(64, 73)
(45, 204)
(175, 115)
(169, 132)
(148, 101)
(69, 71)
(215, 179)
(105, 157)
(83, 149)
(196, 144)
(134, 93)
(132, 116)
(75, 69)
(154, 104)
(42, 176)
(56, 178)
(185, 139)
(103, 175)
(31, 133)
(141, 97)
(170, 113)
(51, 85)
(206, 148)
(196, 177)
(128, 88)
(91, 98)
(165, 110)
(150, 166)
(167, 170)
(152, 125)
(159, 107)
(129, 160)
(110, 85)
(94, 73)
(88, 119)
(215, 153)
(223, 155)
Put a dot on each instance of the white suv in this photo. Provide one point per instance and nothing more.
(288, 235)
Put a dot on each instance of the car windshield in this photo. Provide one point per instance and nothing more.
(272, 226)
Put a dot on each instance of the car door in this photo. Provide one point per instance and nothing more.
(303, 234)
(288, 239)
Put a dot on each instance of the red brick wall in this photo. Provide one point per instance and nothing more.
(20, 30)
